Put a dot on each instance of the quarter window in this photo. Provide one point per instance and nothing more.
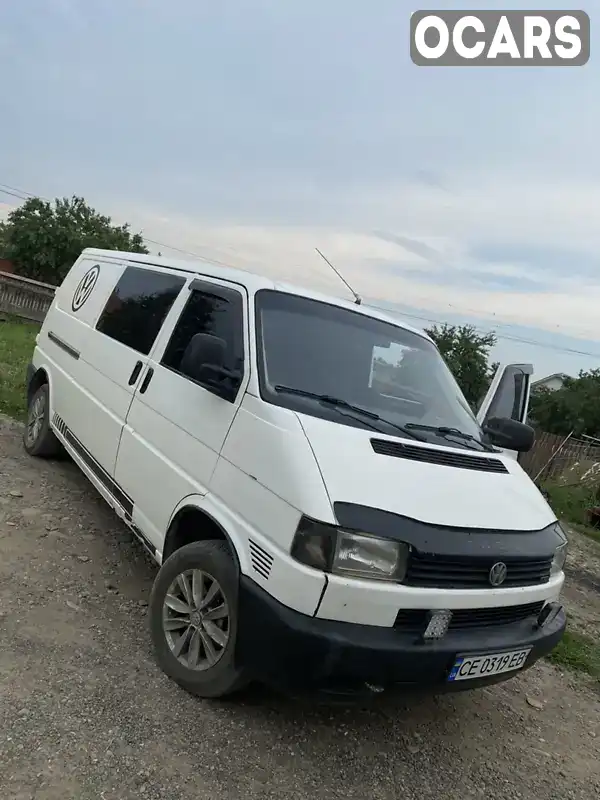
(137, 307)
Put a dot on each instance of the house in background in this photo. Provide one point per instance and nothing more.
(551, 382)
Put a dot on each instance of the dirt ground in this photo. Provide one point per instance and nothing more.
(86, 714)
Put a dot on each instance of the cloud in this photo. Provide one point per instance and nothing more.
(253, 131)
(443, 253)
(415, 246)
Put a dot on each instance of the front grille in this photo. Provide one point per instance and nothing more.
(445, 572)
(415, 620)
(430, 455)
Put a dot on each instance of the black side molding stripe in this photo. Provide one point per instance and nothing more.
(109, 484)
(112, 486)
(63, 345)
(147, 544)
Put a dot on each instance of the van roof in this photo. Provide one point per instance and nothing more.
(253, 281)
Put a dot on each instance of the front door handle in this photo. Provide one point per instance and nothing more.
(146, 381)
(136, 373)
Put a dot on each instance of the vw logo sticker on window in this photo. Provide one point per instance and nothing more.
(498, 574)
(85, 287)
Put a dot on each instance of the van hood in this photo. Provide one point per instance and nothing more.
(433, 493)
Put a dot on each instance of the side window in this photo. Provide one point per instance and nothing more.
(214, 310)
(137, 307)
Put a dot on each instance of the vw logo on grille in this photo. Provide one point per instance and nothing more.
(497, 574)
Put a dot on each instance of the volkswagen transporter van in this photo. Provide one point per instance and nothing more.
(327, 512)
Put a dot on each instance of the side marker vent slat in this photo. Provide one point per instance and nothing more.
(261, 560)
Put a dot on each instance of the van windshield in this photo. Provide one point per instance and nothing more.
(308, 349)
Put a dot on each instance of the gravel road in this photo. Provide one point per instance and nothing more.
(85, 714)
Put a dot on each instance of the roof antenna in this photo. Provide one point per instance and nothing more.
(357, 298)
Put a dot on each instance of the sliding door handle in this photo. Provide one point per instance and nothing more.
(146, 381)
(136, 373)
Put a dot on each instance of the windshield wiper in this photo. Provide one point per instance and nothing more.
(445, 431)
(338, 403)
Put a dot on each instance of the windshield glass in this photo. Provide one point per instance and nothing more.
(323, 349)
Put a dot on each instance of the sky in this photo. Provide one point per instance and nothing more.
(253, 131)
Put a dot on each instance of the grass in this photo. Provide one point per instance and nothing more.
(17, 340)
(578, 652)
(587, 530)
(571, 503)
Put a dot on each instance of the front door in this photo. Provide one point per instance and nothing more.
(508, 396)
(176, 426)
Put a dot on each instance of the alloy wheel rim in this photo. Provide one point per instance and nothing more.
(196, 620)
(35, 419)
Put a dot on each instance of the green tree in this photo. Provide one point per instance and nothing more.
(3, 239)
(573, 407)
(467, 354)
(44, 239)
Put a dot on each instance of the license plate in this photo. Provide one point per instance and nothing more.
(470, 667)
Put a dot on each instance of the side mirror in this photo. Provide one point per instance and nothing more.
(203, 361)
(510, 434)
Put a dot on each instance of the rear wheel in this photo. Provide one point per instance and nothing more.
(38, 438)
(193, 619)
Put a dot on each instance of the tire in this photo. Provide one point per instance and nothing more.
(208, 678)
(38, 438)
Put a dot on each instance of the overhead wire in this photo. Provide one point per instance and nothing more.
(520, 339)
(21, 194)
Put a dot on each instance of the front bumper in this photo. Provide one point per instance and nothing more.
(297, 653)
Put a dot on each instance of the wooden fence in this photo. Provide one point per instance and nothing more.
(545, 454)
(22, 297)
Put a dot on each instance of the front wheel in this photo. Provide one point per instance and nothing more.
(193, 619)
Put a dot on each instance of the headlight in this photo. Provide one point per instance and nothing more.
(365, 556)
(558, 562)
(560, 554)
(357, 555)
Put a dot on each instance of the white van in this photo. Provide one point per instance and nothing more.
(327, 513)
